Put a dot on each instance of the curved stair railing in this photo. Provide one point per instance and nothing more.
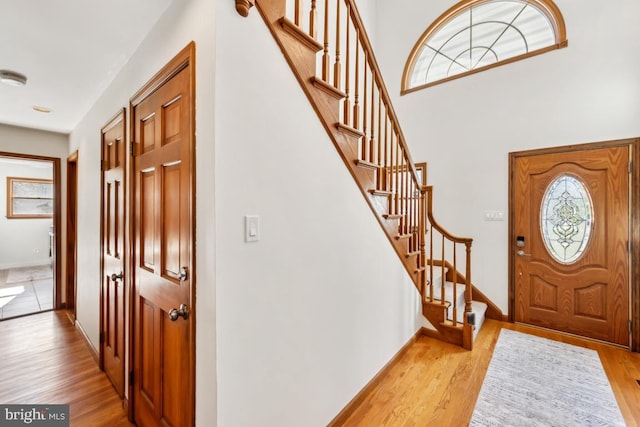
(328, 49)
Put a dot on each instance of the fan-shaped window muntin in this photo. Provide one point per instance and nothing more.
(476, 35)
(566, 218)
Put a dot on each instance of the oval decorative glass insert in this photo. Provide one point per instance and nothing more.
(566, 217)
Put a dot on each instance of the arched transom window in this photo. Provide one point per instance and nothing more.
(475, 35)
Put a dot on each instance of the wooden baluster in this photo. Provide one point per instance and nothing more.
(431, 257)
(372, 138)
(401, 176)
(385, 162)
(356, 105)
(412, 230)
(442, 272)
(346, 119)
(380, 139)
(326, 59)
(468, 295)
(337, 67)
(392, 176)
(313, 20)
(397, 183)
(365, 104)
(455, 287)
(405, 192)
(298, 13)
(412, 194)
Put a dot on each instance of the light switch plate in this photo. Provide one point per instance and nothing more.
(251, 228)
(494, 215)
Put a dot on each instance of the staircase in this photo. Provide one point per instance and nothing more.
(329, 52)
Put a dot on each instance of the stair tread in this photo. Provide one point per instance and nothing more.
(328, 88)
(403, 236)
(392, 216)
(383, 193)
(477, 307)
(367, 165)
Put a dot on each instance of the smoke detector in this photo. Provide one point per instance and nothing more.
(12, 78)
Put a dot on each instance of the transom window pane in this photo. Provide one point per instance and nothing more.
(566, 218)
(482, 34)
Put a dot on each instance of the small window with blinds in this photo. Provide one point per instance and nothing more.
(29, 198)
(476, 35)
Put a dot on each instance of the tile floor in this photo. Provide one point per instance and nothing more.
(26, 293)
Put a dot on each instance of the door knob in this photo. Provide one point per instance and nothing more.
(182, 311)
(115, 277)
(522, 253)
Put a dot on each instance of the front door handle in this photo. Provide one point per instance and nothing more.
(182, 311)
(522, 253)
(115, 277)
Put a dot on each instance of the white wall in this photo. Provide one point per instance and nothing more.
(465, 128)
(25, 240)
(18, 140)
(307, 315)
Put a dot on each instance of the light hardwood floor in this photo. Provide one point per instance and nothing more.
(437, 384)
(45, 360)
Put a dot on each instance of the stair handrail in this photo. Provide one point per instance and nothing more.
(382, 87)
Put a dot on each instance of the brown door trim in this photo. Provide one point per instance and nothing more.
(57, 221)
(108, 361)
(72, 233)
(634, 144)
(185, 58)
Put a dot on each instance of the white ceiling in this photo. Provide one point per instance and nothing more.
(70, 50)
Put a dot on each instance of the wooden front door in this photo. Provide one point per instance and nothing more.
(570, 236)
(113, 292)
(163, 211)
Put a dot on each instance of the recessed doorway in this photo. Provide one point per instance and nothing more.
(29, 267)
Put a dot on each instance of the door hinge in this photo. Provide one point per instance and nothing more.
(101, 337)
(132, 149)
(130, 378)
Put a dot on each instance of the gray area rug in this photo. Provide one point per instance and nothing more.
(533, 381)
(25, 274)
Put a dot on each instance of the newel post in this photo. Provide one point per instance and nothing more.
(422, 235)
(243, 6)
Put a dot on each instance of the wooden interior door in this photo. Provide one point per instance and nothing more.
(72, 233)
(113, 293)
(164, 352)
(577, 279)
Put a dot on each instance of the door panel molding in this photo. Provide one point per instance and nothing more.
(634, 225)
